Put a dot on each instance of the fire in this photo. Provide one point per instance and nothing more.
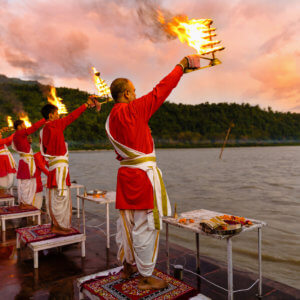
(24, 117)
(101, 86)
(197, 33)
(53, 99)
(9, 122)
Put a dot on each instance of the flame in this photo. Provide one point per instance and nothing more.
(197, 33)
(9, 122)
(24, 117)
(53, 99)
(101, 86)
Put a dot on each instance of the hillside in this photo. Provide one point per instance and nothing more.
(173, 125)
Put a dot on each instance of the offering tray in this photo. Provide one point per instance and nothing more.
(231, 229)
(96, 193)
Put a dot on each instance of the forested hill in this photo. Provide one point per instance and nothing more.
(173, 125)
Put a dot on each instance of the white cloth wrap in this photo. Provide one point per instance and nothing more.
(150, 167)
(38, 200)
(60, 164)
(7, 181)
(136, 243)
(26, 190)
(27, 158)
(59, 207)
(6, 152)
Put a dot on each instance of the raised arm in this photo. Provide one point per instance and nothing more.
(147, 105)
(71, 117)
(91, 102)
(7, 141)
(34, 127)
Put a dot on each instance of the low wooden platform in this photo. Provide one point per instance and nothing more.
(51, 243)
(8, 200)
(12, 216)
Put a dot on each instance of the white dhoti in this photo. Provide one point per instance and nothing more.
(137, 241)
(60, 207)
(7, 181)
(138, 230)
(26, 190)
(38, 200)
(58, 200)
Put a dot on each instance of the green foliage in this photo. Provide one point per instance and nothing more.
(173, 125)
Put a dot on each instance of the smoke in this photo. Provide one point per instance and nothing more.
(152, 29)
(52, 38)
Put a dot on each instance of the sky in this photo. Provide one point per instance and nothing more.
(57, 42)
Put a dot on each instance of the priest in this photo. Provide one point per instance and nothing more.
(141, 197)
(26, 168)
(54, 148)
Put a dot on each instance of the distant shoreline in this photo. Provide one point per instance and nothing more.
(197, 146)
(88, 147)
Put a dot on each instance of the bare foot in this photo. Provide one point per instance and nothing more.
(59, 230)
(128, 270)
(150, 283)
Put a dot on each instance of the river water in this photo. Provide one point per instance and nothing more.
(262, 183)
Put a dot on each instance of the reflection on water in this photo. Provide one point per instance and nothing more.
(257, 182)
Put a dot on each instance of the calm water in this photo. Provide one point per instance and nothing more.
(257, 182)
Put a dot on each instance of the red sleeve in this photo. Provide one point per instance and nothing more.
(41, 163)
(7, 141)
(66, 121)
(147, 105)
(34, 127)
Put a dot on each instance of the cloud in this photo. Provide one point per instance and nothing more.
(60, 40)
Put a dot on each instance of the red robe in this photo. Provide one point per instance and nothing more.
(21, 143)
(5, 167)
(54, 141)
(128, 124)
(40, 163)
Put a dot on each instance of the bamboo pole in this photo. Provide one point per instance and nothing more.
(225, 140)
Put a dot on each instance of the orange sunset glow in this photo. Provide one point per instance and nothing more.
(260, 64)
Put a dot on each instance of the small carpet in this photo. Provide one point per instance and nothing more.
(5, 210)
(114, 287)
(40, 233)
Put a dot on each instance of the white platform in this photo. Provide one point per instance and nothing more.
(33, 214)
(52, 243)
(77, 187)
(10, 201)
(109, 197)
(203, 214)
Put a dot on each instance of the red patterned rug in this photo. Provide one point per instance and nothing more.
(40, 233)
(4, 210)
(113, 287)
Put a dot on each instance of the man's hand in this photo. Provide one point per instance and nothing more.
(29, 139)
(94, 102)
(193, 61)
(90, 102)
